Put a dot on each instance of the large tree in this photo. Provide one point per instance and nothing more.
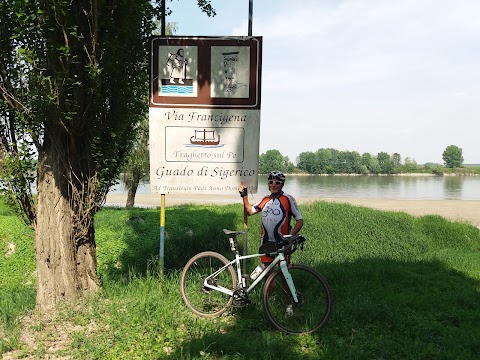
(452, 156)
(385, 162)
(273, 160)
(72, 89)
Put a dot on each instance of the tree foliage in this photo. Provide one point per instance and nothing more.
(17, 141)
(273, 160)
(385, 162)
(206, 7)
(410, 165)
(332, 161)
(452, 156)
(72, 76)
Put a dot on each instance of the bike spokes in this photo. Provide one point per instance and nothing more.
(201, 299)
(313, 306)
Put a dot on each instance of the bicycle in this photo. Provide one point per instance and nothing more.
(295, 297)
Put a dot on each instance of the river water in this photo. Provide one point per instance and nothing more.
(388, 187)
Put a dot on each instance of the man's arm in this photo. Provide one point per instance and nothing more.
(246, 204)
(296, 214)
(298, 226)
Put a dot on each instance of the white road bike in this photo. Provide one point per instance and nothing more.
(295, 297)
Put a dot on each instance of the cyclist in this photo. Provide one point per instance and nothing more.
(277, 210)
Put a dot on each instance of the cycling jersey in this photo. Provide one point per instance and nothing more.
(276, 215)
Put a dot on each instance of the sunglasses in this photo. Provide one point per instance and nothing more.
(270, 182)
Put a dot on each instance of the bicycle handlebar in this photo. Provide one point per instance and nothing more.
(290, 243)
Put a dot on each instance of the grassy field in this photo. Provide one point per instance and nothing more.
(404, 288)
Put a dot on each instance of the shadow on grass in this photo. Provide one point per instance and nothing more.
(386, 306)
(188, 230)
(383, 309)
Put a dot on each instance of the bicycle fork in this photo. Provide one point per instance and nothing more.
(289, 280)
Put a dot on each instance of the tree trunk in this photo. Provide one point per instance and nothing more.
(64, 236)
(132, 186)
(132, 191)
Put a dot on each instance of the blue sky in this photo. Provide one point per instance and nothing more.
(359, 75)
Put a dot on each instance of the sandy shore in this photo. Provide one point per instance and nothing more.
(456, 210)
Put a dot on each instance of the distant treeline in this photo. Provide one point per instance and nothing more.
(332, 161)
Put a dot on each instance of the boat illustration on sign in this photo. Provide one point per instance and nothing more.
(205, 137)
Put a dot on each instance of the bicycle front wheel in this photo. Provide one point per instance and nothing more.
(313, 308)
(204, 301)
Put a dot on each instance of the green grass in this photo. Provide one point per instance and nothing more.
(17, 275)
(404, 288)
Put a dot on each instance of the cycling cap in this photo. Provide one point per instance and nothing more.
(276, 174)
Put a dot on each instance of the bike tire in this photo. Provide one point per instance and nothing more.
(203, 302)
(313, 309)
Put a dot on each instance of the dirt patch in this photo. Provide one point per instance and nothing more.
(44, 337)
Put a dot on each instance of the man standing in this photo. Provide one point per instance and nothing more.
(277, 210)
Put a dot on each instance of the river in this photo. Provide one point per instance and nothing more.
(410, 187)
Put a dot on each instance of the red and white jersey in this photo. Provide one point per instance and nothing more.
(276, 215)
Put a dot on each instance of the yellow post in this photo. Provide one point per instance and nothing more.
(245, 239)
(162, 232)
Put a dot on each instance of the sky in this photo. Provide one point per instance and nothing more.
(359, 75)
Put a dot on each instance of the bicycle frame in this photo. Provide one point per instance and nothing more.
(280, 258)
(296, 298)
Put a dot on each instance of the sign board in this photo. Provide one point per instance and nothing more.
(204, 114)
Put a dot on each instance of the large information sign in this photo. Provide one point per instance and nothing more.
(204, 114)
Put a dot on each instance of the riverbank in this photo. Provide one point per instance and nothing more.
(465, 173)
(456, 210)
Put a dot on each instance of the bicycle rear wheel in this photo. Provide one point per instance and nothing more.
(314, 306)
(203, 301)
